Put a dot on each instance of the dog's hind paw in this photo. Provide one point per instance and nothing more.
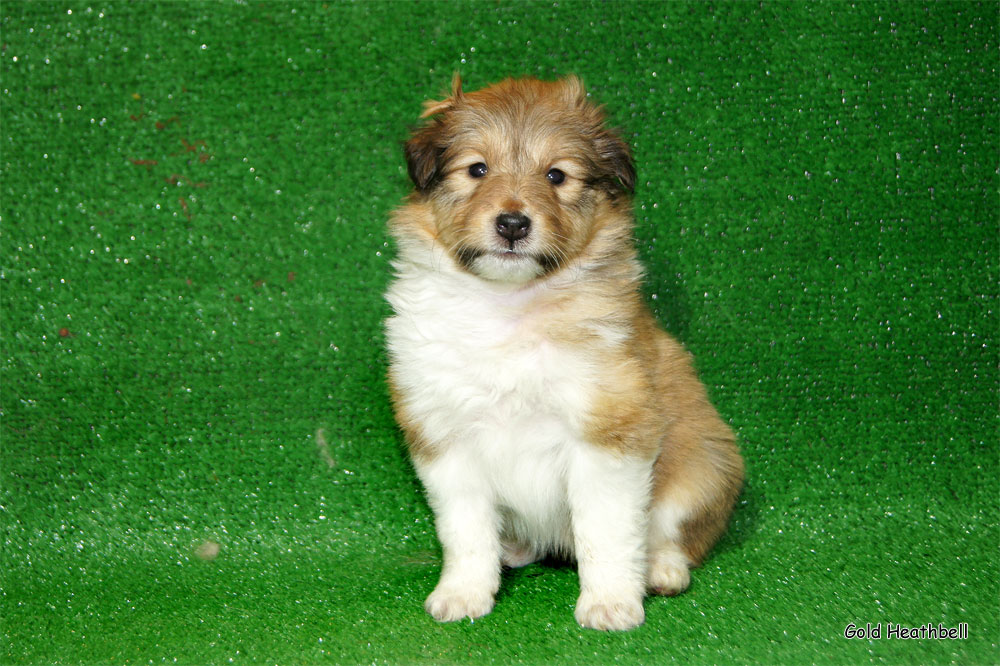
(669, 581)
(518, 555)
(668, 573)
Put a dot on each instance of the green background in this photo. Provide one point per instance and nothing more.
(194, 254)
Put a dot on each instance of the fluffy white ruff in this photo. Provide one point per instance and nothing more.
(504, 409)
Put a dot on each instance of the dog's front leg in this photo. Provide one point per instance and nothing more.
(609, 499)
(468, 529)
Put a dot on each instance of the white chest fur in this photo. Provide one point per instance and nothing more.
(502, 404)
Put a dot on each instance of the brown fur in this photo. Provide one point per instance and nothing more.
(651, 402)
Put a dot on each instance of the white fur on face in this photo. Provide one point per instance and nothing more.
(504, 267)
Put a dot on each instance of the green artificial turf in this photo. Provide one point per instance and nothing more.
(199, 463)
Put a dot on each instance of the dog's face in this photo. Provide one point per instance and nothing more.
(518, 175)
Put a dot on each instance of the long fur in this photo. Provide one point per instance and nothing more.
(544, 409)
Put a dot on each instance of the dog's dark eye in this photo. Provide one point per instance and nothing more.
(478, 170)
(555, 176)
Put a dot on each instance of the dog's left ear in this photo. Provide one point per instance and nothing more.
(617, 158)
(574, 91)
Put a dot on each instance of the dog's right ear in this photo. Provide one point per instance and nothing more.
(434, 107)
(425, 149)
(424, 156)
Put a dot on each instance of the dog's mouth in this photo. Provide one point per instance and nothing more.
(509, 263)
(511, 255)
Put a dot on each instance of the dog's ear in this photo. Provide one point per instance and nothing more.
(425, 149)
(434, 107)
(574, 91)
(424, 156)
(615, 156)
(617, 159)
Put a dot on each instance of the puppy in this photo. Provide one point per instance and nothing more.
(544, 410)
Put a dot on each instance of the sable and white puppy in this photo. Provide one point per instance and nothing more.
(545, 411)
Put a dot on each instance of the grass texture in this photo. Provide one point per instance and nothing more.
(199, 463)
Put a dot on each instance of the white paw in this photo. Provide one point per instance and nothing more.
(668, 577)
(451, 603)
(517, 555)
(609, 613)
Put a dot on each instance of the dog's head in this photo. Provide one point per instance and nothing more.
(518, 175)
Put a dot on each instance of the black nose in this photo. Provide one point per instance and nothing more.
(513, 226)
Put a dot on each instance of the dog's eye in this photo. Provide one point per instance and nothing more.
(478, 170)
(555, 176)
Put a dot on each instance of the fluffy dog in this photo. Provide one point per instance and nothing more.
(544, 410)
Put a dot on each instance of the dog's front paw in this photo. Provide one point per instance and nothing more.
(609, 613)
(449, 604)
